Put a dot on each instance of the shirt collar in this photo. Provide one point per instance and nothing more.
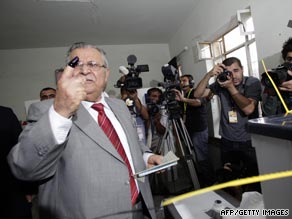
(88, 104)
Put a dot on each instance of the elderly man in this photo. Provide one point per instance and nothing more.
(71, 145)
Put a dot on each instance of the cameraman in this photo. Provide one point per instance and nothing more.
(196, 122)
(271, 104)
(194, 109)
(239, 98)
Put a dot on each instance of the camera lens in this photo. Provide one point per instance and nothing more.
(222, 77)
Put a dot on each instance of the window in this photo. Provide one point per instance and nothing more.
(239, 41)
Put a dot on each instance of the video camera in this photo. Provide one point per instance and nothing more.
(171, 81)
(279, 75)
(131, 79)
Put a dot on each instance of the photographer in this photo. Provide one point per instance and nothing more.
(239, 98)
(138, 111)
(271, 104)
(156, 128)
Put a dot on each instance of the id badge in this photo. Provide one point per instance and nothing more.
(232, 115)
(140, 132)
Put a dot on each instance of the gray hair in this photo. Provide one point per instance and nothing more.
(86, 45)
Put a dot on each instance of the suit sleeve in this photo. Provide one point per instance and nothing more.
(36, 154)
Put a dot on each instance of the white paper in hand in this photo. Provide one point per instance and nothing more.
(170, 159)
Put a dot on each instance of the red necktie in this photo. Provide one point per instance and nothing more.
(111, 133)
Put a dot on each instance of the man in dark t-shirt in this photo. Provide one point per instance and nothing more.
(239, 97)
(195, 118)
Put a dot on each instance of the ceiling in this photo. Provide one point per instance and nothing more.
(42, 24)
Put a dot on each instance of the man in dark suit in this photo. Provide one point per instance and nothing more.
(65, 147)
(14, 203)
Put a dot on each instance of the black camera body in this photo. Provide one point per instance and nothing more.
(223, 76)
(132, 81)
(171, 81)
(279, 75)
(153, 108)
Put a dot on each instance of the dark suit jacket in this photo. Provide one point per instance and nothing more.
(84, 177)
(10, 129)
(12, 191)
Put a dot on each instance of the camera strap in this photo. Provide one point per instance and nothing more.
(232, 114)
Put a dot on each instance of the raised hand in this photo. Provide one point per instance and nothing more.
(70, 92)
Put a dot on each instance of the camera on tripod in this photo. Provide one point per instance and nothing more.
(279, 75)
(223, 76)
(131, 79)
(171, 81)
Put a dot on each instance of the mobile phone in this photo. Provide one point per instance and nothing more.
(74, 62)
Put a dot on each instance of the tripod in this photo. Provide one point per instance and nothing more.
(183, 145)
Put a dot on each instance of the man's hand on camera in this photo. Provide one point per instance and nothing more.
(178, 95)
(216, 70)
(226, 84)
(286, 86)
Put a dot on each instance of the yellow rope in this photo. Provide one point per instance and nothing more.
(232, 183)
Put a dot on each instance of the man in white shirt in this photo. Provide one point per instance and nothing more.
(64, 147)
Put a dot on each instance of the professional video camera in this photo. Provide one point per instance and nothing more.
(171, 81)
(131, 79)
(223, 76)
(279, 75)
(152, 108)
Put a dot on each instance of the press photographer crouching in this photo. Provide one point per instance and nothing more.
(282, 77)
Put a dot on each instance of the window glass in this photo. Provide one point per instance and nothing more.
(241, 54)
(233, 39)
(205, 50)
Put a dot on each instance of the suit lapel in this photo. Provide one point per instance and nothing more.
(84, 121)
(129, 130)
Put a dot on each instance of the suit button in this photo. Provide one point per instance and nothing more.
(127, 182)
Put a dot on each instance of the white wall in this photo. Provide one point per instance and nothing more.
(25, 72)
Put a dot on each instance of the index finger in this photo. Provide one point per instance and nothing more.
(69, 69)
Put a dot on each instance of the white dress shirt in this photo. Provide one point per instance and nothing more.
(61, 127)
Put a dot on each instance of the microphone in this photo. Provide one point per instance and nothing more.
(184, 49)
(123, 70)
(187, 85)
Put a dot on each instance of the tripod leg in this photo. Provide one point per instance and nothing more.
(183, 137)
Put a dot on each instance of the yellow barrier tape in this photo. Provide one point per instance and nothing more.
(232, 183)
(276, 89)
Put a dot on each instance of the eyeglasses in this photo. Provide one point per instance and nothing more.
(91, 65)
(288, 59)
(49, 96)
